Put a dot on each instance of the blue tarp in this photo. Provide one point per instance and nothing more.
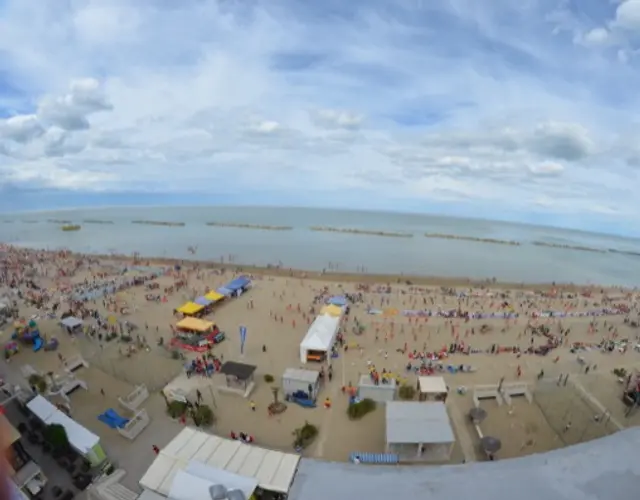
(337, 300)
(202, 301)
(238, 283)
(225, 291)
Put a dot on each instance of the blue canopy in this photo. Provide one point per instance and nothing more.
(225, 291)
(238, 283)
(203, 301)
(338, 300)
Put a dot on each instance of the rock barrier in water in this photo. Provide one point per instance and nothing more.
(97, 221)
(360, 231)
(568, 247)
(493, 241)
(240, 225)
(158, 223)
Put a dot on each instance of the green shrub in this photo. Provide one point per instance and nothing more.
(176, 409)
(304, 435)
(39, 382)
(56, 436)
(407, 392)
(203, 416)
(268, 378)
(358, 410)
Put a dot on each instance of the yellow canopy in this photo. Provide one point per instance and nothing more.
(214, 296)
(195, 325)
(190, 308)
(331, 310)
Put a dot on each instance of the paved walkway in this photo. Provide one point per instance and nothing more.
(465, 439)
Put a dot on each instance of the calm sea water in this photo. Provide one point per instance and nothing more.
(305, 249)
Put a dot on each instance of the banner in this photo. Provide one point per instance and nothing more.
(243, 338)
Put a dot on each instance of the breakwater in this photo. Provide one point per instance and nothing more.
(361, 232)
(568, 247)
(240, 225)
(158, 223)
(492, 241)
(97, 221)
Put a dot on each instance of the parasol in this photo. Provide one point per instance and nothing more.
(477, 415)
(490, 444)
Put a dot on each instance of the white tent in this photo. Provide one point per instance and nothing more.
(320, 336)
(273, 470)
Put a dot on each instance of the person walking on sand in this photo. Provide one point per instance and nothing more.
(155, 449)
(252, 404)
(198, 396)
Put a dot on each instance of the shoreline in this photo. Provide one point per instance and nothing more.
(351, 277)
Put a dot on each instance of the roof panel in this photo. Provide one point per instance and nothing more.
(177, 443)
(253, 462)
(269, 466)
(418, 422)
(191, 447)
(208, 449)
(283, 477)
(223, 455)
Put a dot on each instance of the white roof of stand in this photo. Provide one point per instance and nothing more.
(274, 470)
(412, 422)
(432, 385)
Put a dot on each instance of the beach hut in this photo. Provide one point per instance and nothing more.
(419, 431)
(190, 309)
(296, 381)
(318, 342)
(432, 388)
(239, 378)
(382, 392)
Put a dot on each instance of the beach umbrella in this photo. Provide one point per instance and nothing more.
(490, 444)
(477, 414)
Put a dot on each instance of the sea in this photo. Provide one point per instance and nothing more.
(302, 248)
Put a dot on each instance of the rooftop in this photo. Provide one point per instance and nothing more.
(432, 385)
(603, 469)
(418, 422)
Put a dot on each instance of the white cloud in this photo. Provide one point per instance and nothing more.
(490, 102)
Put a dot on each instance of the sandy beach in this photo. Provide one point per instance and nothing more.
(277, 311)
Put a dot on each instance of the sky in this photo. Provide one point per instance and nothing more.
(518, 110)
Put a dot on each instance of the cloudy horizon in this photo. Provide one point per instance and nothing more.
(520, 111)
